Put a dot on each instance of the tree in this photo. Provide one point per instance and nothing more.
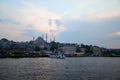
(37, 48)
(82, 45)
(45, 48)
(89, 51)
(77, 48)
(54, 46)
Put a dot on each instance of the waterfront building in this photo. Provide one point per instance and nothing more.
(69, 48)
(97, 51)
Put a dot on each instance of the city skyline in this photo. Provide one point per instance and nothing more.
(95, 22)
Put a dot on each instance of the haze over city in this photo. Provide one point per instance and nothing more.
(95, 22)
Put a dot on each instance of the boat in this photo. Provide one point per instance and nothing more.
(57, 55)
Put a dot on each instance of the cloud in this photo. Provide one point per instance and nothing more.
(117, 33)
(31, 33)
(49, 22)
(37, 17)
(58, 22)
(41, 19)
(5, 21)
(93, 17)
(94, 10)
(89, 21)
(109, 15)
(98, 33)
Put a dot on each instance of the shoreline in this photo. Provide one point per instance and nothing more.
(66, 57)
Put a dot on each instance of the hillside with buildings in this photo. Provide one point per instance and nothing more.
(41, 48)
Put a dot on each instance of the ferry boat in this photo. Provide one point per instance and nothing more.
(57, 55)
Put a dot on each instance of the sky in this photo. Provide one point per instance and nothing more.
(92, 22)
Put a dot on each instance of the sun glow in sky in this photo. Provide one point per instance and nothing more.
(95, 22)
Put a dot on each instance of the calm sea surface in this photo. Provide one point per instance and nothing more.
(82, 68)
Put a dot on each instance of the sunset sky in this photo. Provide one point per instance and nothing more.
(95, 22)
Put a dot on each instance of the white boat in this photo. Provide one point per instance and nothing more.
(57, 55)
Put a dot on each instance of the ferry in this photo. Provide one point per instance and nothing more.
(57, 55)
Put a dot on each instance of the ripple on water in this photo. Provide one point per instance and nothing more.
(87, 68)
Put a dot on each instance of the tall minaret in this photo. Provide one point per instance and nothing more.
(43, 36)
(33, 38)
(50, 39)
(33, 42)
(54, 38)
(46, 37)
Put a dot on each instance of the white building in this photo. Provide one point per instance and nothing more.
(69, 49)
(97, 51)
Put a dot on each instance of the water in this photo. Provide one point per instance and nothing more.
(83, 68)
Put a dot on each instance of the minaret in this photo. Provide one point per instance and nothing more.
(33, 38)
(46, 37)
(50, 39)
(43, 36)
(33, 43)
(54, 38)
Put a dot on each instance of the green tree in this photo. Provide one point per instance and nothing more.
(77, 48)
(54, 46)
(45, 48)
(82, 45)
(37, 48)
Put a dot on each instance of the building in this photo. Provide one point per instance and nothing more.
(40, 42)
(69, 48)
(97, 51)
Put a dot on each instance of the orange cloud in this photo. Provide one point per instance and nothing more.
(117, 33)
